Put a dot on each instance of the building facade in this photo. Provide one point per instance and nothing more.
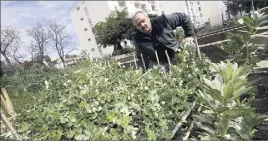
(88, 13)
(200, 12)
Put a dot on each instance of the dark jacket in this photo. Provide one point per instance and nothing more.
(162, 37)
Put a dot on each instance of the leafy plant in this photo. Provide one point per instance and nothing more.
(97, 102)
(224, 115)
(241, 46)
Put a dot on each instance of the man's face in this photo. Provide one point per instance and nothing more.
(143, 23)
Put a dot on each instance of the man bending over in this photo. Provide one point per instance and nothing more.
(157, 35)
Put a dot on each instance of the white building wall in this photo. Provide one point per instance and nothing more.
(170, 7)
(191, 8)
(96, 11)
(211, 12)
(199, 11)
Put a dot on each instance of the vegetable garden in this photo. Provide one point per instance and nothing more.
(99, 100)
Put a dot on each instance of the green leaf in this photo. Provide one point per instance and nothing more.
(63, 119)
(79, 137)
(150, 133)
(70, 134)
(125, 120)
(111, 116)
(208, 112)
(228, 91)
(114, 132)
(58, 135)
(203, 119)
(126, 137)
(239, 92)
(25, 126)
(84, 122)
(221, 109)
(44, 128)
(233, 113)
(228, 72)
(207, 128)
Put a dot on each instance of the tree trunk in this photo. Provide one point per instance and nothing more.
(41, 57)
(7, 59)
(63, 61)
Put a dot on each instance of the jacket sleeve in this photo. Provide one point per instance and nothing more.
(181, 19)
(139, 55)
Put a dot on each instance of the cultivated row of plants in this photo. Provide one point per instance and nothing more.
(99, 102)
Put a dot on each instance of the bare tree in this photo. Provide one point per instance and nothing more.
(41, 38)
(32, 50)
(9, 37)
(60, 39)
(14, 52)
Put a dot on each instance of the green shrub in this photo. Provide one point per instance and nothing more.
(223, 115)
(101, 102)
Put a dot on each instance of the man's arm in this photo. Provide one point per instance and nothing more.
(181, 19)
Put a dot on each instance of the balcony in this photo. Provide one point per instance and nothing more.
(143, 7)
(137, 4)
(122, 3)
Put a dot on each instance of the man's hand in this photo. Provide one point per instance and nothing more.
(188, 42)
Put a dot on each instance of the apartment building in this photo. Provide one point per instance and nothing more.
(191, 8)
(88, 13)
(213, 12)
(200, 12)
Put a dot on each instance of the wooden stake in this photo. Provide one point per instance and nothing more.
(109, 64)
(6, 107)
(7, 98)
(143, 62)
(189, 131)
(13, 131)
(186, 114)
(136, 66)
(157, 57)
(168, 58)
(7, 103)
(197, 48)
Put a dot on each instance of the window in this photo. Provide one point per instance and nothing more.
(198, 2)
(143, 7)
(85, 29)
(121, 3)
(100, 51)
(86, 9)
(89, 39)
(89, 21)
(93, 49)
(78, 8)
(82, 19)
(153, 7)
(116, 8)
(201, 15)
(199, 8)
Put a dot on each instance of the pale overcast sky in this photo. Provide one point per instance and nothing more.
(24, 14)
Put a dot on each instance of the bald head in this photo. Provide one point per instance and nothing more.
(142, 22)
(139, 12)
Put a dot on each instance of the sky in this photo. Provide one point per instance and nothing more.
(25, 14)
